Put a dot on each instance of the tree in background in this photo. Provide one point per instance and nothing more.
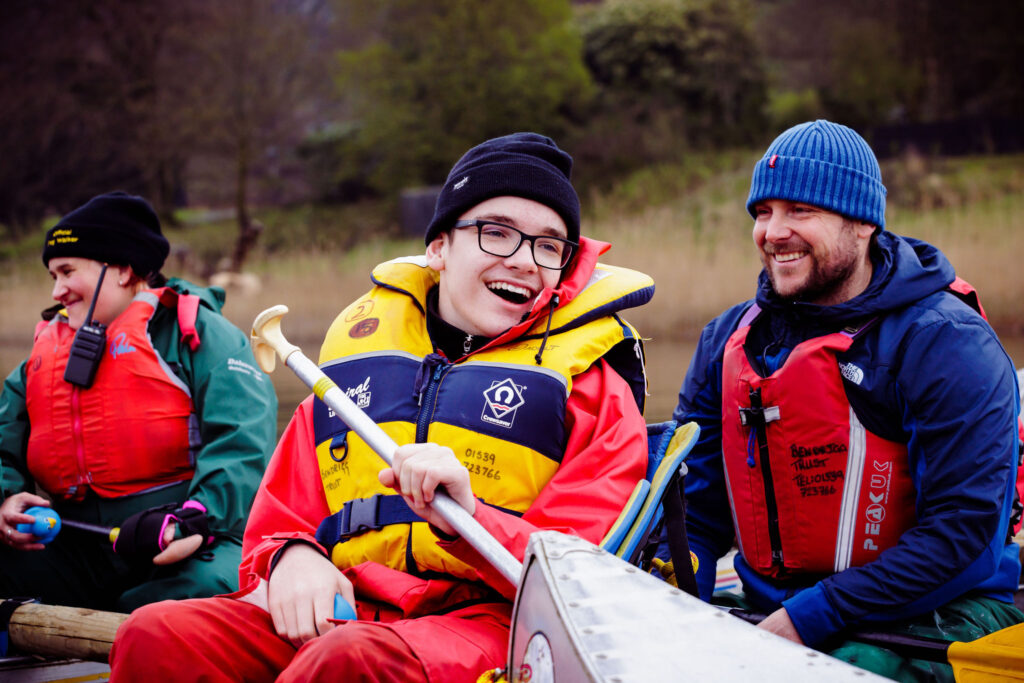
(78, 89)
(876, 62)
(433, 77)
(971, 55)
(206, 101)
(672, 74)
(154, 98)
(246, 78)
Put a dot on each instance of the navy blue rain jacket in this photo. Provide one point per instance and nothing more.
(936, 378)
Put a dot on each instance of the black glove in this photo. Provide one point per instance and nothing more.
(141, 535)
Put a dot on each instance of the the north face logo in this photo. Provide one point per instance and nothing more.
(501, 401)
(852, 373)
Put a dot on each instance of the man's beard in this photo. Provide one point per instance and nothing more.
(826, 279)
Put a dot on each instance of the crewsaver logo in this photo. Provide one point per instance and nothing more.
(501, 401)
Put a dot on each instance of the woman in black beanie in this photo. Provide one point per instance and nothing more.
(140, 407)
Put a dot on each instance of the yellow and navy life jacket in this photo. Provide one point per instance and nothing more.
(500, 411)
(133, 430)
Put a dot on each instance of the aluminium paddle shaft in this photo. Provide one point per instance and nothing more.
(267, 339)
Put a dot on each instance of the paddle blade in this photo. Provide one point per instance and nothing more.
(997, 657)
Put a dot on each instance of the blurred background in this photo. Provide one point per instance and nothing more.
(289, 145)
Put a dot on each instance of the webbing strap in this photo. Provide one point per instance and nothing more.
(748, 316)
(362, 515)
(675, 527)
(187, 307)
(188, 311)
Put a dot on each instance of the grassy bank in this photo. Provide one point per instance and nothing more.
(685, 225)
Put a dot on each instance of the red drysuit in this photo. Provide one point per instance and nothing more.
(409, 628)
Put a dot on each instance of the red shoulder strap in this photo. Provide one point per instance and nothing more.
(188, 311)
(963, 289)
(187, 306)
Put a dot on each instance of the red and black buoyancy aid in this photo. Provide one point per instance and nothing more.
(811, 489)
(133, 430)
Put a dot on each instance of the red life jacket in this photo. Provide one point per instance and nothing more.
(811, 490)
(133, 430)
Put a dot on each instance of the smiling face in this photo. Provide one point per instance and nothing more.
(74, 281)
(811, 254)
(482, 294)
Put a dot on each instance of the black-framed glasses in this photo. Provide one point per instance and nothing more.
(503, 240)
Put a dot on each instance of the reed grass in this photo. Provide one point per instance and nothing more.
(686, 227)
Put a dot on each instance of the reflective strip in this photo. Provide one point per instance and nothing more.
(847, 527)
(371, 354)
(148, 297)
(732, 508)
(519, 367)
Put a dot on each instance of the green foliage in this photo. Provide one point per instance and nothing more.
(435, 78)
(695, 57)
(672, 75)
(200, 244)
(869, 86)
(786, 108)
(915, 61)
(338, 163)
(919, 183)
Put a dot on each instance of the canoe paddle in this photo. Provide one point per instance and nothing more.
(267, 339)
(998, 656)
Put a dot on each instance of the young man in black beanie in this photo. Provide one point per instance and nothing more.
(149, 415)
(496, 360)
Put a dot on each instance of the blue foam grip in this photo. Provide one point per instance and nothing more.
(46, 526)
(342, 608)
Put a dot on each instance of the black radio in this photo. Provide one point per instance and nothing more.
(88, 345)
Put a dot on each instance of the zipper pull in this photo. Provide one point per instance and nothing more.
(467, 344)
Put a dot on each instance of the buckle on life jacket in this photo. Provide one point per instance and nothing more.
(757, 416)
(364, 514)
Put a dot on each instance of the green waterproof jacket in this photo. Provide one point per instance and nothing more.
(234, 400)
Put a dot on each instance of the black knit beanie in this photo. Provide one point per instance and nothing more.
(116, 228)
(518, 165)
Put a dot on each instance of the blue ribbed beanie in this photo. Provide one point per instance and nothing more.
(517, 165)
(824, 164)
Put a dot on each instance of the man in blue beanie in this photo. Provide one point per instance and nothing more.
(858, 422)
(498, 361)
